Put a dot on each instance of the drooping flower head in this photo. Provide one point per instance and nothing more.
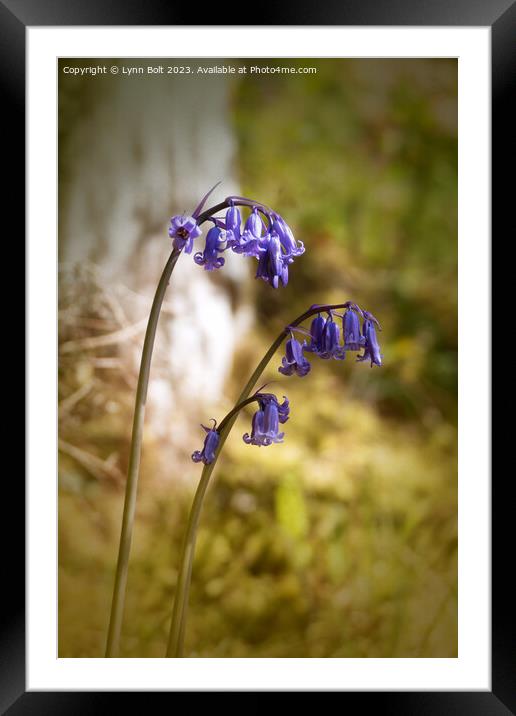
(265, 236)
(353, 340)
(372, 347)
(266, 420)
(254, 239)
(275, 249)
(254, 224)
(273, 263)
(233, 226)
(209, 258)
(331, 341)
(283, 230)
(211, 442)
(294, 361)
(324, 339)
(316, 344)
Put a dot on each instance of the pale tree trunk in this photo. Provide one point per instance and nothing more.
(144, 149)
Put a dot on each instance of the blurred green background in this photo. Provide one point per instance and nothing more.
(342, 542)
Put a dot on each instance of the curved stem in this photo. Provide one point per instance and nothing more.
(117, 604)
(234, 412)
(228, 201)
(177, 628)
(131, 489)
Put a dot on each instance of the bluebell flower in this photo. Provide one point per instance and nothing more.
(209, 258)
(317, 327)
(183, 230)
(331, 342)
(252, 241)
(211, 443)
(254, 224)
(353, 340)
(291, 246)
(249, 245)
(294, 360)
(273, 264)
(372, 347)
(258, 435)
(233, 226)
(266, 420)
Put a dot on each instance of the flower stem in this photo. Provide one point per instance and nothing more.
(131, 489)
(177, 628)
(117, 604)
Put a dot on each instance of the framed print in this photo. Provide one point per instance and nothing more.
(328, 182)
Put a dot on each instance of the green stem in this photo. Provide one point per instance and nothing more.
(131, 489)
(117, 604)
(177, 628)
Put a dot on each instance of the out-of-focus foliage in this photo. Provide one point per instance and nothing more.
(342, 541)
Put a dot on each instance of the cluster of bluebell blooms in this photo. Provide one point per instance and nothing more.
(324, 340)
(264, 430)
(268, 238)
(265, 235)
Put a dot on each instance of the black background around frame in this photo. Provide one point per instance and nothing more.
(15, 16)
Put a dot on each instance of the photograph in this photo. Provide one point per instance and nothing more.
(257, 253)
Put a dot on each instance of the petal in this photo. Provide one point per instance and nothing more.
(233, 220)
(271, 419)
(286, 368)
(254, 224)
(189, 245)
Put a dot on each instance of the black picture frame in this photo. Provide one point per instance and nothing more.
(500, 16)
